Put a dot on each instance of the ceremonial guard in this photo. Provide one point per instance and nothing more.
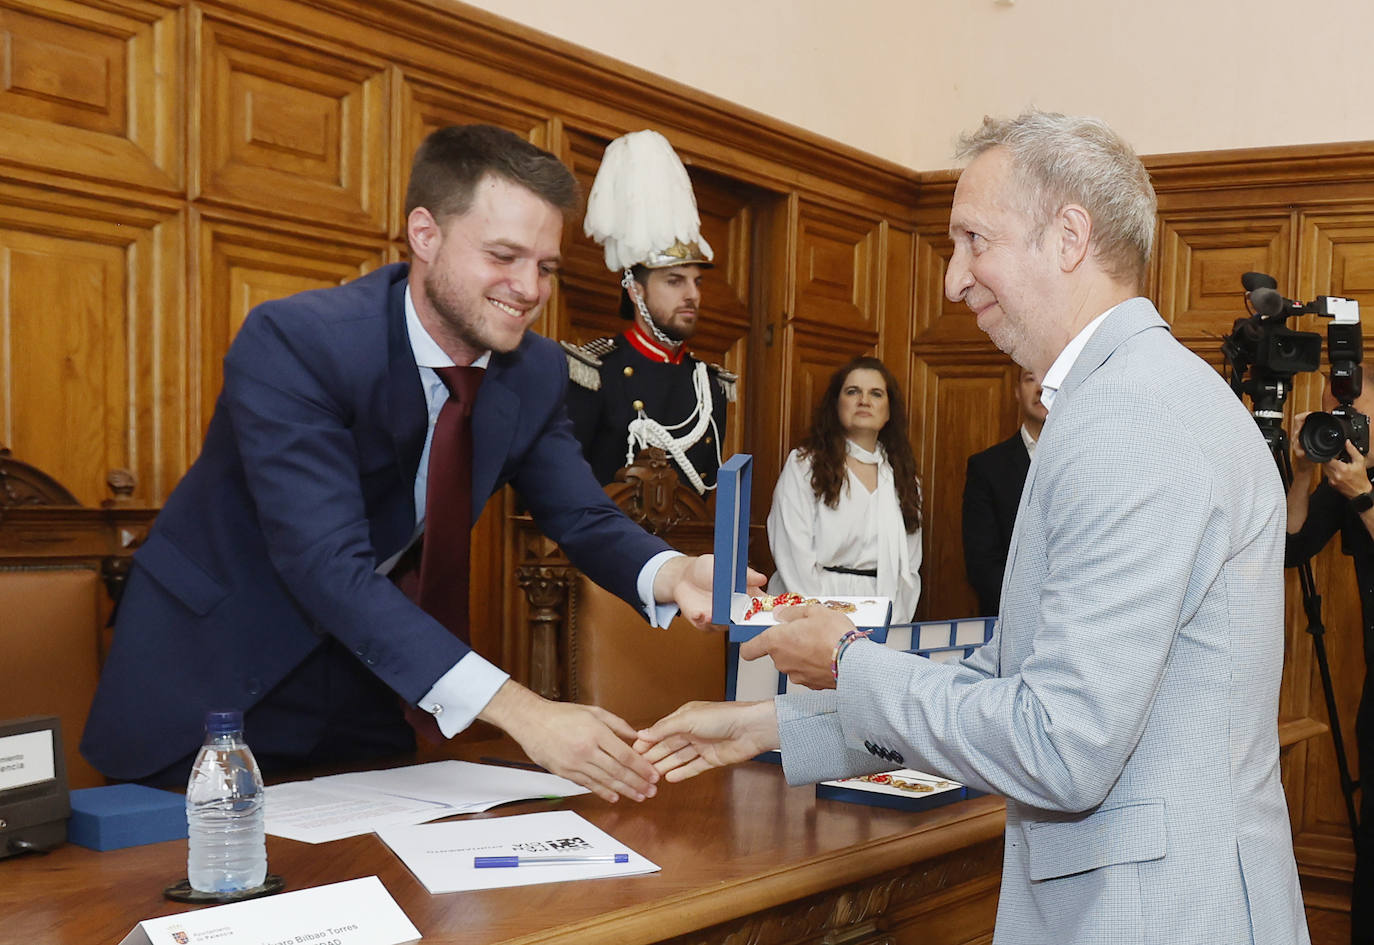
(643, 388)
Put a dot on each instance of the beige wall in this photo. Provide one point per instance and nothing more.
(901, 78)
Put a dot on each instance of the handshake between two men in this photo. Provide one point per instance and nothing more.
(699, 735)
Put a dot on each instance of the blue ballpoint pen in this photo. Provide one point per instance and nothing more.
(484, 862)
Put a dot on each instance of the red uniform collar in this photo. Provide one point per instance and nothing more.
(652, 349)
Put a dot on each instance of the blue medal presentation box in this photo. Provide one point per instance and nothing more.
(125, 815)
(729, 599)
(903, 789)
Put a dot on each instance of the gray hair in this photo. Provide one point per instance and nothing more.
(1061, 159)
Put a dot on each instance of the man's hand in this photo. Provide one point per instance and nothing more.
(801, 643)
(583, 743)
(704, 735)
(686, 581)
(1349, 478)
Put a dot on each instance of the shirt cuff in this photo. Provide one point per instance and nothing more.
(660, 615)
(462, 692)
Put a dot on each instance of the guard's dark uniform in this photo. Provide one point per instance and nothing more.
(630, 378)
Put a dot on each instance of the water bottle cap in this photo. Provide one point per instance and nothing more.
(222, 723)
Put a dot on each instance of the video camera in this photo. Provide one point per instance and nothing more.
(1277, 353)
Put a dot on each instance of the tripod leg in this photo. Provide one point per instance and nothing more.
(1312, 607)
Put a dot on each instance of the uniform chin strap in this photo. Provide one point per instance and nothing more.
(645, 432)
(628, 282)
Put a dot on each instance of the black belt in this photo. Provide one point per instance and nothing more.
(860, 572)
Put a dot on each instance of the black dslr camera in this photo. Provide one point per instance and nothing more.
(1277, 353)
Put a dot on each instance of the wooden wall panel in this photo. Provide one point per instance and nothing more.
(1338, 257)
(291, 128)
(283, 167)
(837, 269)
(241, 264)
(91, 338)
(936, 321)
(94, 92)
(1201, 259)
(427, 105)
(898, 299)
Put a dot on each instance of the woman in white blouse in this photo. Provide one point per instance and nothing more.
(846, 516)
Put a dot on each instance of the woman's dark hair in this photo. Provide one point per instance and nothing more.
(825, 444)
(450, 162)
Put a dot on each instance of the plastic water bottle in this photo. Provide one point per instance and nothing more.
(227, 845)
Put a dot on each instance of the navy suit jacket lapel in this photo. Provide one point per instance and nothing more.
(407, 414)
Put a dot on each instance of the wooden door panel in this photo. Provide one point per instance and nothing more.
(837, 268)
(965, 406)
(92, 338)
(935, 319)
(1336, 252)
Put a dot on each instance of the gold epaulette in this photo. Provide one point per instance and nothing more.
(726, 379)
(584, 361)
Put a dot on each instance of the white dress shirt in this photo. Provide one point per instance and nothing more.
(1059, 370)
(464, 691)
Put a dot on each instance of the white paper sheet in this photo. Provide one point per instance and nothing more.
(441, 855)
(356, 912)
(345, 805)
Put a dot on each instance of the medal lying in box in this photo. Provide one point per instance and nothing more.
(748, 616)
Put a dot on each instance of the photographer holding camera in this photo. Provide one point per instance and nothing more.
(1344, 502)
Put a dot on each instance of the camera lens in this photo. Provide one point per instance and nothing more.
(1322, 437)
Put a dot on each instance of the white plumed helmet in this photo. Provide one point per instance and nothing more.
(642, 209)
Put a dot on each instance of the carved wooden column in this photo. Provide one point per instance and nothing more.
(547, 588)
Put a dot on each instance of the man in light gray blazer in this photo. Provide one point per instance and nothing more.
(1127, 705)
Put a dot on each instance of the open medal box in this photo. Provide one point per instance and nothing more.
(753, 680)
(943, 641)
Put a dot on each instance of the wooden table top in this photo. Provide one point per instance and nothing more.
(730, 843)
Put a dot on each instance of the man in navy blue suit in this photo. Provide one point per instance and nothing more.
(265, 586)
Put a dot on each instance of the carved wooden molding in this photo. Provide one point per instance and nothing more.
(43, 525)
(422, 34)
(863, 913)
(1251, 167)
(650, 493)
(22, 484)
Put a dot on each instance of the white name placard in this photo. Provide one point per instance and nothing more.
(26, 759)
(357, 912)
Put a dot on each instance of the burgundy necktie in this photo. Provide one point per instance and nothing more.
(448, 504)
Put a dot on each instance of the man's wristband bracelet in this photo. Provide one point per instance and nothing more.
(1363, 503)
(843, 644)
